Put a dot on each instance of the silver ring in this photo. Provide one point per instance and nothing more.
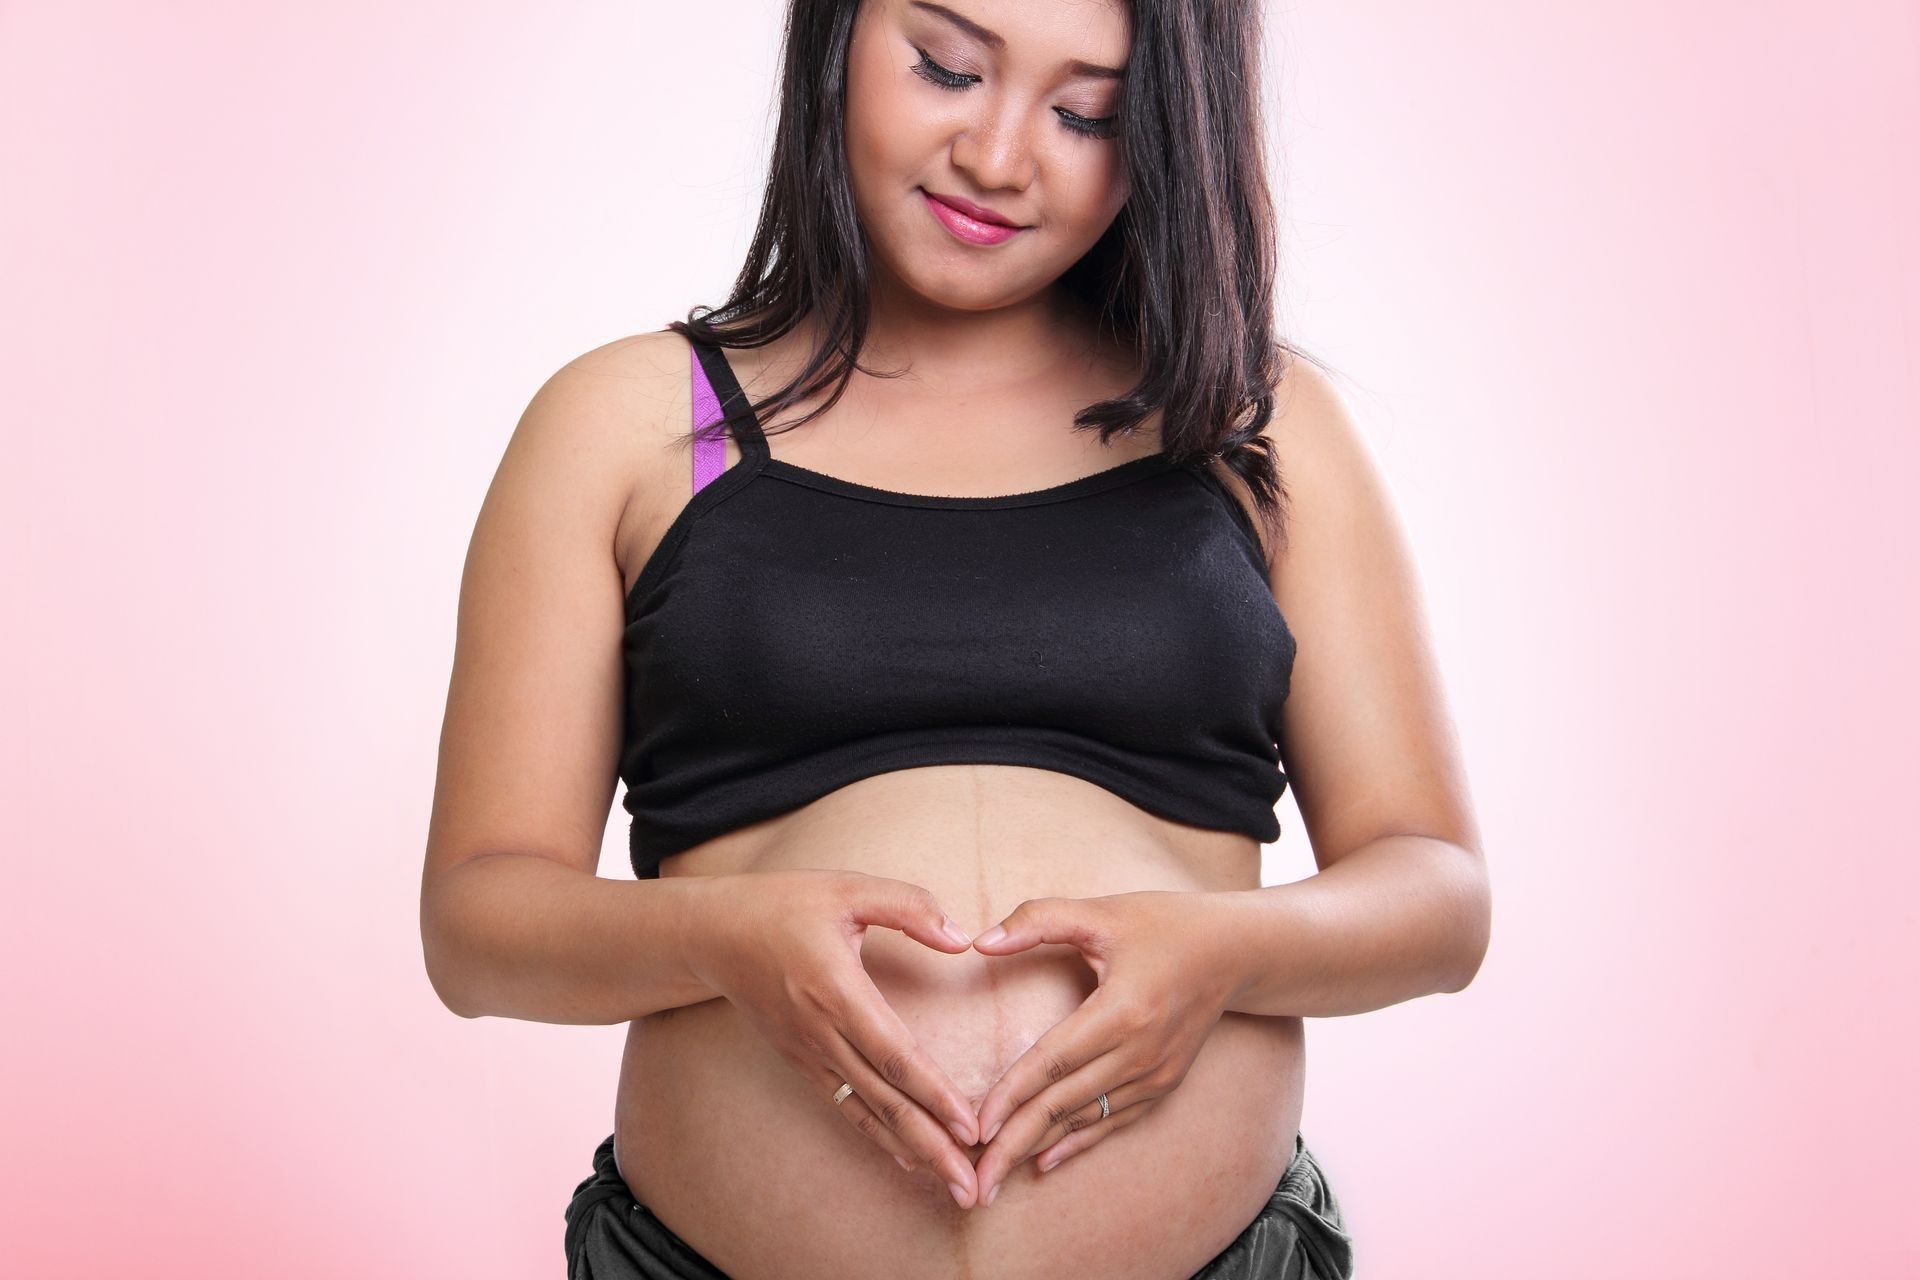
(1104, 1113)
(840, 1094)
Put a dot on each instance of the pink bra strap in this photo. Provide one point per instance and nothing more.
(710, 437)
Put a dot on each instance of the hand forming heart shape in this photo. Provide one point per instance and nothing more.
(1164, 981)
(784, 947)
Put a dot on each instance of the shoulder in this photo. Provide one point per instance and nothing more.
(1325, 464)
(626, 389)
(533, 702)
(603, 426)
(1367, 739)
(1329, 467)
(655, 353)
(1309, 412)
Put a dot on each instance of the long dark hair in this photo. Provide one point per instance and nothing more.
(1185, 276)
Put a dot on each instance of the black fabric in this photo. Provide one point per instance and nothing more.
(794, 632)
(1300, 1234)
(612, 1236)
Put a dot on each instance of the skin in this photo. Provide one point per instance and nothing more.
(590, 482)
(948, 310)
(957, 317)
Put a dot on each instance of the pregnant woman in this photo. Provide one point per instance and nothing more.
(936, 602)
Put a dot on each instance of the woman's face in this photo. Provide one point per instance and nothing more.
(995, 102)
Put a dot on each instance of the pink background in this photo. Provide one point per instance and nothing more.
(1624, 294)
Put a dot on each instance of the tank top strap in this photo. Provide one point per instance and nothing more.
(720, 403)
(709, 443)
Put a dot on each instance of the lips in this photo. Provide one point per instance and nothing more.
(968, 226)
(978, 212)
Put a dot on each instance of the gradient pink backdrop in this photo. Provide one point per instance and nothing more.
(1624, 294)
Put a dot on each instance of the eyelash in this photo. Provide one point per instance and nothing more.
(931, 71)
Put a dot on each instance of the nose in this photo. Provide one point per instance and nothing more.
(996, 151)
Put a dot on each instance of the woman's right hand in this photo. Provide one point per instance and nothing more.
(784, 948)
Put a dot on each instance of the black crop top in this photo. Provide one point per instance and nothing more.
(794, 632)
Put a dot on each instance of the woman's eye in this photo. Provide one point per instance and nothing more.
(931, 71)
(928, 69)
(1101, 128)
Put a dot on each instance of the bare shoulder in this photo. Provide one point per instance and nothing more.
(1320, 451)
(594, 430)
(617, 416)
(1309, 411)
(1370, 742)
(533, 721)
(618, 401)
(1333, 477)
(657, 353)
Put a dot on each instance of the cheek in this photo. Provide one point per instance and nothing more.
(1107, 169)
(883, 168)
(1097, 177)
(882, 127)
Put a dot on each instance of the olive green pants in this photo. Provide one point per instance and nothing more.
(1299, 1235)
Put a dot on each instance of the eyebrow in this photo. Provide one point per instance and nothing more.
(995, 41)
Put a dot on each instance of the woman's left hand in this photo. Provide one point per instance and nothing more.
(1163, 984)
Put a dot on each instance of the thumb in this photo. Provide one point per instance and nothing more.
(913, 910)
(1039, 920)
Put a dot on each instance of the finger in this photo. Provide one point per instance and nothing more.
(1063, 1108)
(926, 1137)
(861, 1117)
(910, 908)
(1090, 1030)
(1063, 1115)
(885, 1041)
(1076, 922)
(1080, 1139)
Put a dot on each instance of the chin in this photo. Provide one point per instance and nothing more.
(960, 286)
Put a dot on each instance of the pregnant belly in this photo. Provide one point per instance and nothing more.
(753, 1167)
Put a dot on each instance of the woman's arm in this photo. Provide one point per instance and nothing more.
(513, 919)
(1401, 907)
(1402, 917)
(513, 935)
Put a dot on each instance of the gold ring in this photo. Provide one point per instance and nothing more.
(840, 1094)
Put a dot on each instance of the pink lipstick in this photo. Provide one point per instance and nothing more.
(972, 223)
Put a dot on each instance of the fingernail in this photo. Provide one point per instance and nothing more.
(959, 1133)
(904, 1163)
(988, 1135)
(992, 935)
(991, 1194)
(955, 932)
(959, 1194)
(1048, 1163)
